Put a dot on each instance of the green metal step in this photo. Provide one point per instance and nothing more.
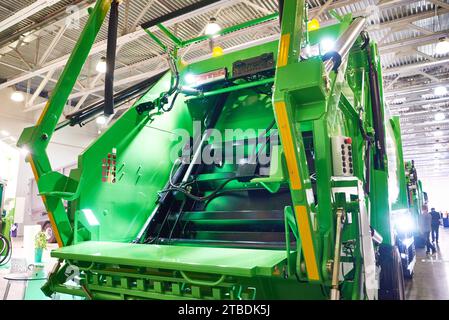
(224, 261)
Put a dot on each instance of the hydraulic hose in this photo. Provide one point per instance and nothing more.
(378, 122)
(119, 98)
(110, 59)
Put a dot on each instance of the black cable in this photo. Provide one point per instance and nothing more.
(180, 188)
(110, 59)
(196, 197)
(172, 102)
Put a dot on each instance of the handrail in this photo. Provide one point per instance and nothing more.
(201, 282)
(184, 43)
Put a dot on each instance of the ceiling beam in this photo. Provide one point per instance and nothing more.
(414, 66)
(26, 13)
(440, 3)
(101, 45)
(419, 89)
(162, 66)
(408, 19)
(412, 42)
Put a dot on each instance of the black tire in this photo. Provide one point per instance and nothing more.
(407, 273)
(391, 274)
(46, 227)
(5, 250)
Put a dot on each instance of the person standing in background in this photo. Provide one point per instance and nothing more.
(436, 216)
(426, 228)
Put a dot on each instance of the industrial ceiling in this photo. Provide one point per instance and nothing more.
(36, 38)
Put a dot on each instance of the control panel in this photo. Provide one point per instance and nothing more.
(342, 156)
(109, 167)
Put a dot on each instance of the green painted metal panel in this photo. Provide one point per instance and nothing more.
(311, 107)
(36, 138)
(237, 262)
(143, 151)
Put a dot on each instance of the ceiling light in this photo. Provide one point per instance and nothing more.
(442, 46)
(212, 27)
(326, 45)
(440, 91)
(440, 116)
(4, 133)
(101, 65)
(313, 24)
(217, 51)
(190, 78)
(17, 96)
(101, 120)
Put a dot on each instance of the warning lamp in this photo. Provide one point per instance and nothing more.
(313, 24)
(217, 51)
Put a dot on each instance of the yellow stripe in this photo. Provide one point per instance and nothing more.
(302, 220)
(33, 168)
(42, 114)
(283, 50)
(53, 225)
(50, 214)
(287, 143)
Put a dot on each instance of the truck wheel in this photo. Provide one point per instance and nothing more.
(5, 250)
(47, 229)
(409, 274)
(391, 274)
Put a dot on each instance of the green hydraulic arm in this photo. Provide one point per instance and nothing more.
(36, 138)
(402, 200)
(288, 56)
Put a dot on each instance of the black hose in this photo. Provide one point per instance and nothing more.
(119, 99)
(281, 10)
(378, 122)
(199, 198)
(172, 103)
(110, 59)
(365, 37)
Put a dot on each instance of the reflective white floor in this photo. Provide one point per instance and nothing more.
(431, 279)
(16, 291)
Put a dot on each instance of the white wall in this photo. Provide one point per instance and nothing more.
(438, 193)
(63, 149)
